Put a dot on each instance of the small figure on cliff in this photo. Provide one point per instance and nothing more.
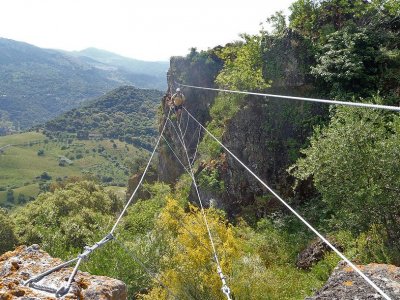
(178, 99)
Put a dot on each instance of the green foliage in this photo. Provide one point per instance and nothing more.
(354, 163)
(7, 235)
(67, 219)
(126, 113)
(348, 62)
(38, 84)
(141, 216)
(242, 65)
(209, 179)
(372, 246)
(242, 70)
(278, 22)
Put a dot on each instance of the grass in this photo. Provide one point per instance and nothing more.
(108, 161)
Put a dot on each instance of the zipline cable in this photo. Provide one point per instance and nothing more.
(369, 281)
(176, 155)
(334, 102)
(225, 289)
(187, 171)
(141, 179)
(197, 147)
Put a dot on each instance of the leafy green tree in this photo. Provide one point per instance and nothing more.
(67, 219)
(7, 236)
(21, 199)
(243, 63)
(348, 63)
(10, 196)
(354, 163)
(278, 22)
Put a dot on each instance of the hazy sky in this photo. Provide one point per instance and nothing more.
(142, 29)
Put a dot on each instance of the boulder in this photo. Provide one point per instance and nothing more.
(26, 262)
(313, 254)
(345, 283)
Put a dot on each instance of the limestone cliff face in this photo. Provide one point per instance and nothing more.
(266, 134)
(197, 102)
(25, 262)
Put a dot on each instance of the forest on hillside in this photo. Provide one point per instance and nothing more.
(126, 113)
(337, 166)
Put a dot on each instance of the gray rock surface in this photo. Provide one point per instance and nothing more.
(25, 262)
(345, 283)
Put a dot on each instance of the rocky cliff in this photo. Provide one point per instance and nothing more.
(345, 283)
(266, 134)
(183, 70)
(25, 262)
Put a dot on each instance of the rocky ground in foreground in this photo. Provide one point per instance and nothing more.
(25, 262)
(345, 283)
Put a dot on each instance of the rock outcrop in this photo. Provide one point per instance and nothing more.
(197, 102)
(25, 262)
(345, 283)
(313, 254)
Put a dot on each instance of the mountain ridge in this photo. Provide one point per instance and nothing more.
(38, 84)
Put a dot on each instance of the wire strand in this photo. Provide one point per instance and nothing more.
(369, 281)
(334, 102)
(176, 155)
(225, 288)
(141, 179)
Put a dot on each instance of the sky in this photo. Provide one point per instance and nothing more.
(142, 29)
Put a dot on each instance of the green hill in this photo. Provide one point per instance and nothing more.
(108, 140)
(32, 161)
(38, 84)
(126, 113)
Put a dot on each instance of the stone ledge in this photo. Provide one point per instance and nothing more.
(25, 262)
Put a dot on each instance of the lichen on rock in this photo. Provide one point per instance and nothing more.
(24, 262)
(344, 283)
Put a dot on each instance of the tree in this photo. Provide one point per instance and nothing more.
(355, 163)
(7, 236)
(10, 196)
(21, 199)
(40, 152)
(348, 63)
(67, 219)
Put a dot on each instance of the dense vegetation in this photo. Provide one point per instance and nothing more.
(126, 113)
(34, 163)
(38, 84)
(339, 167)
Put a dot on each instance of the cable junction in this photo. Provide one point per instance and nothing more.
(334, 102)
(369, 281)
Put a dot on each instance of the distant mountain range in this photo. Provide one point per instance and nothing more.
(38, 84)
(157, 68)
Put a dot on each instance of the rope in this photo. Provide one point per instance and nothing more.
(369, 281)
(176, 131)
(225, 289)
(141, 179)
(187, 124)
(172, 150)
(334, 102)
(139, 262)
(197, 146)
